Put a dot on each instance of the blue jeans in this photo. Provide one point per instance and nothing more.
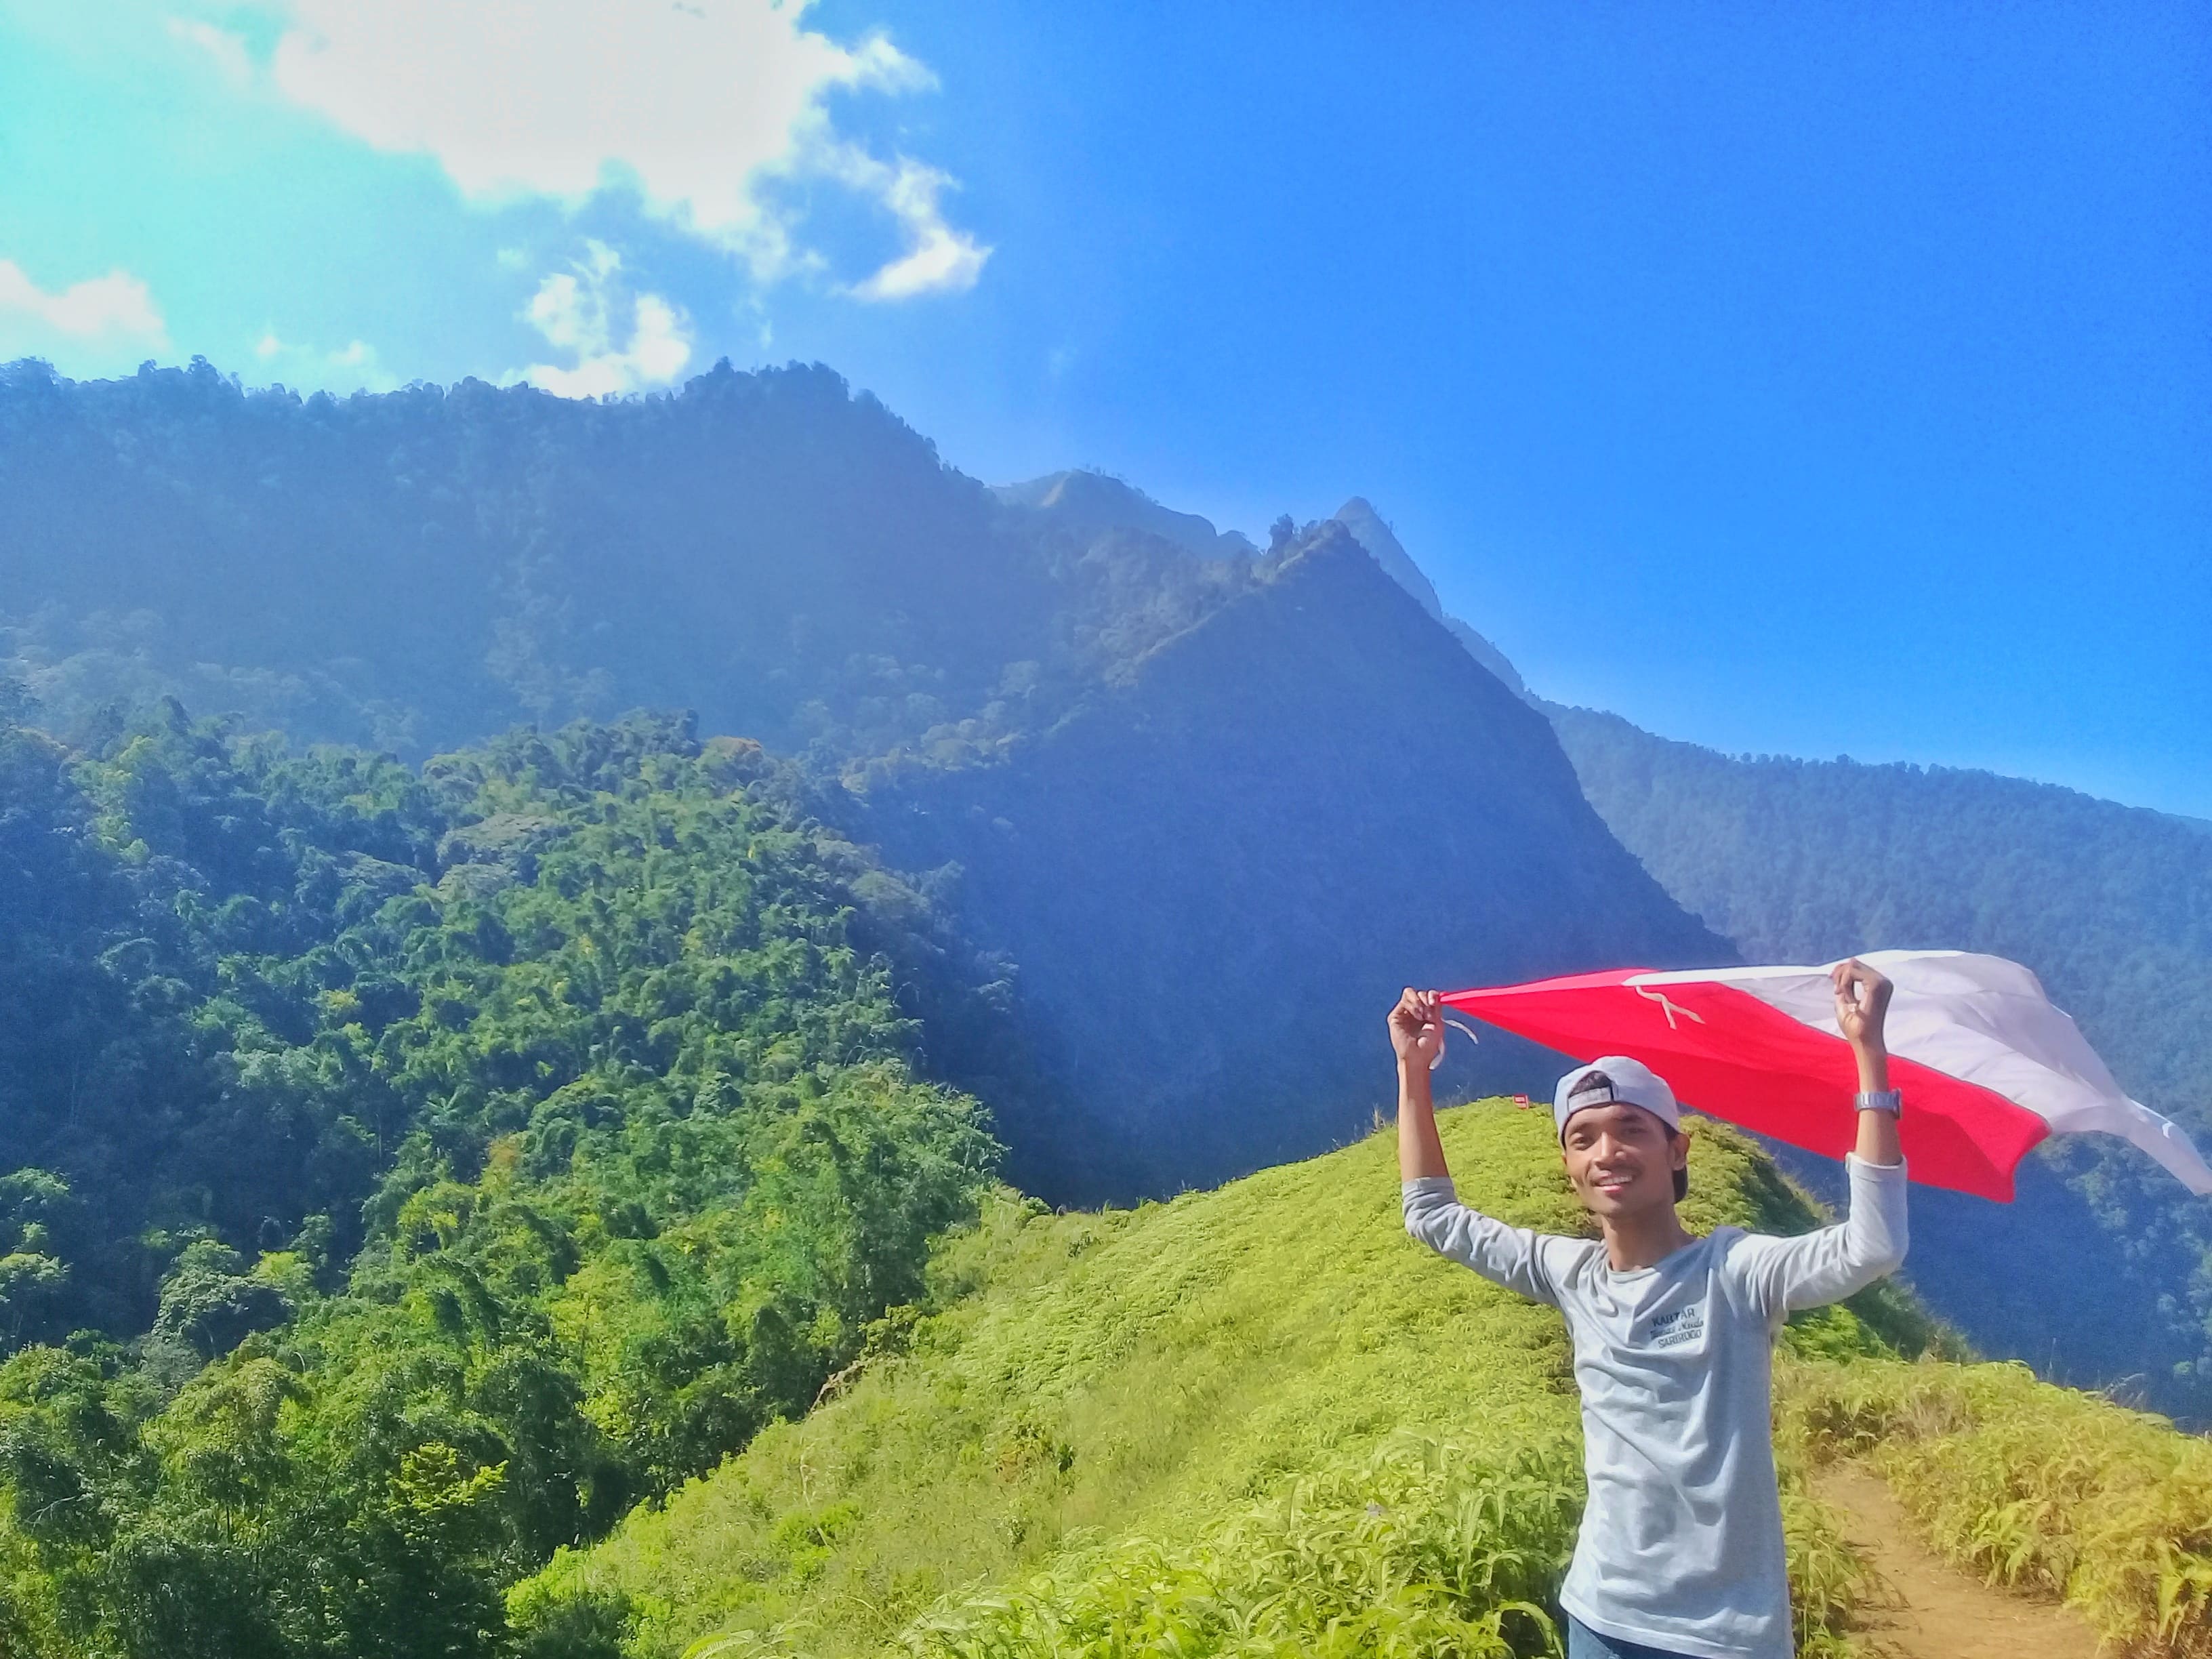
(1584, 1642)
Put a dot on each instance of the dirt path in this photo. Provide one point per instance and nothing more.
(1928, 1609)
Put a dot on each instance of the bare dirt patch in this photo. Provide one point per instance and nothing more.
(1924, 1608)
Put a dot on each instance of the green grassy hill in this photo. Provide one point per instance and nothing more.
(1256, 1419)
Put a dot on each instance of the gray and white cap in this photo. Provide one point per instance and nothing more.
(1614, 1080)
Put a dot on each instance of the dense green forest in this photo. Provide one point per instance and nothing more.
(2102, 1272)
(412, 1170)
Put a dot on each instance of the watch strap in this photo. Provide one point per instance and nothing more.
(1879, 1100)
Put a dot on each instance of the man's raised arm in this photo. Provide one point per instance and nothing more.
(1416, 1036)
(1784, 1275)
(1511, 1257)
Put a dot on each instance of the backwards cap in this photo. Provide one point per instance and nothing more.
(1614, 1080)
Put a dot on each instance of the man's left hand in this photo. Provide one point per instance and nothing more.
(1862, 1000)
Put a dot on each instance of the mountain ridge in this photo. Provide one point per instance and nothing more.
(1372, 531)
(1086, 502)
(1236, 863)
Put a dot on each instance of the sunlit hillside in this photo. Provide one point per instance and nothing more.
(1262, 1407)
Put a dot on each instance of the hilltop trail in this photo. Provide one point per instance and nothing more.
(1928, 1609)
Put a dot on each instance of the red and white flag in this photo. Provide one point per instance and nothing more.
(1987, 1066)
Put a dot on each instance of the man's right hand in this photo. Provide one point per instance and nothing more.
(1416, 1036)
(1417, 1028)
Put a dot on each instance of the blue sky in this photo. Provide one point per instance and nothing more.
(1806, 379)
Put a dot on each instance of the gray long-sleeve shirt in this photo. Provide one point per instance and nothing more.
(1680, 1546)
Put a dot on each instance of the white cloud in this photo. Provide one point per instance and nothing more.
(576, 311)
(115, 309)
(228, 52)
(938, 259)
(703, 108)
(268, 345)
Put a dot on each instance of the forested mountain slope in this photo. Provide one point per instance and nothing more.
(2104, 1275)
(1216, 873)
(1230, 843)
(410, 1172)
(427, 567)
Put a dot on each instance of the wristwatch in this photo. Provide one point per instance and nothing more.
(1879, 1100)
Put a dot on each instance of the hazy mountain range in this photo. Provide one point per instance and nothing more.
(1159, 776)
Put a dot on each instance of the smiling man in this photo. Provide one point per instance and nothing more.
(1680, 1549)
